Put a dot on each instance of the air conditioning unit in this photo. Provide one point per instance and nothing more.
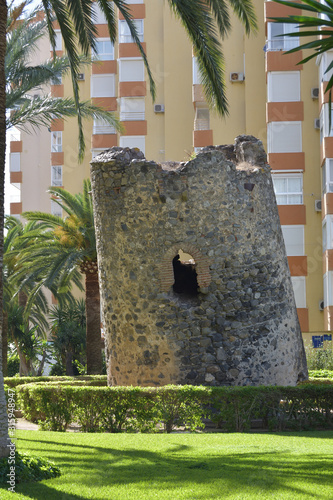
(315, 92)
(316, 123)
(159, 108)
(80, 76)
(321, 305)
(318, 205)
(237, 77)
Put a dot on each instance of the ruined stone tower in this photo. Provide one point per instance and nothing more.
(195, 284)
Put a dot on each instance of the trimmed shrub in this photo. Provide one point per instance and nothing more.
(136, 409)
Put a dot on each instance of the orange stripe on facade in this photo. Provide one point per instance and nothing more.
(57, 158)
(103, 141)
(286, 161)
(202, 138)
(135, 127)
(57, 90)
(107, 103)
(130, 49)
(280, 61)
(303, 317)
(104, 67)
(273, 9)
(292, 214)
(326, 149)
(57, 125)
(137, 11)
(15, 177)
(284, 111)
(102, 30)
(15, 208)
(327, 261)
(16, 146)
(298, 265)
(132, 89)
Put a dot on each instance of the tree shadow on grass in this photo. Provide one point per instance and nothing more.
(178, 465)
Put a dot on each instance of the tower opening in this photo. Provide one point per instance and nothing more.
(185, 274)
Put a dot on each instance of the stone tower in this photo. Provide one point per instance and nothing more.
(194, 278)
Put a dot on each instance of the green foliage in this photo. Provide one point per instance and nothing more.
(321, 374)
(68, 331)
(28, 469)
(13, 382)
(320, 358)
(137, 409)
(13, 363)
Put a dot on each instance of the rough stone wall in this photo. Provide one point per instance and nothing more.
(242, 326)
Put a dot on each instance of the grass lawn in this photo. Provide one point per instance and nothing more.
(181, 466)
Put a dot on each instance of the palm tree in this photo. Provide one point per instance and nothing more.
(319, 23)
(23, 80)
(24, 302)
(203, 20)
(63, 250)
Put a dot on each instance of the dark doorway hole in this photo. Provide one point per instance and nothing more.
(185, 275)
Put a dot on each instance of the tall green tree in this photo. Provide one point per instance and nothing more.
(63, 250)
(25, 306)
(23, 79)
(205, 21)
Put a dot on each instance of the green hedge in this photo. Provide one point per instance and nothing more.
(15, 381)
(327, 374)
(136, 409)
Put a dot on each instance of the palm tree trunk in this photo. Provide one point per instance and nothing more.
(4, 343)
(93, 331)
(4, 438)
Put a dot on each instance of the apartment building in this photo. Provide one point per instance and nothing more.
(270, 97)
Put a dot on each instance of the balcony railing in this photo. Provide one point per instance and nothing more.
(201, 124)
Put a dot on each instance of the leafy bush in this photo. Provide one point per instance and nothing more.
(321, 374)
(15, 381)
(136, 409)
(28, 469)
(320, 358)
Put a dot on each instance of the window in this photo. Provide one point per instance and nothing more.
(328, 233)
(288, 189)
(56, 142)
(57, 79)
(125, 34)
(98, 16)
(96, 152)
(15, 162)
(196, 76)
(131, 70)
(104, 49)
(284, 86)
(201, 121)
(133, 141)
(56, 175)
(298, 283)
(275, 42)
(132, 108)
(58, 41)
(327, 171)
(103, 127)
(284, 137)
(56, 209)
(294, 240)
(325, 131)
(325, 60)
(102, 86)
(328, 289)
